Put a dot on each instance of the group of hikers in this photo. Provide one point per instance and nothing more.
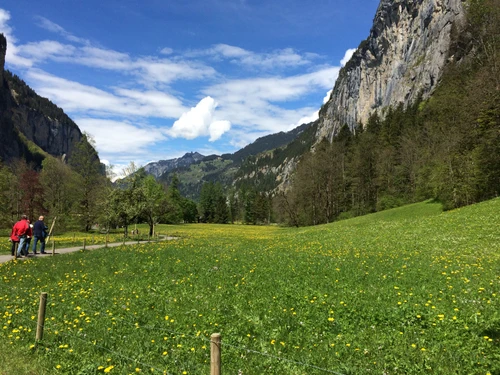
(22, 233)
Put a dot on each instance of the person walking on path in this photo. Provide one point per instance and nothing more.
(15, 241)
(19, 232)
(29, 233)
(39, 234)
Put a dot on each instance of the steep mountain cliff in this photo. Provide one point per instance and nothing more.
(403, 57)
(31, 126)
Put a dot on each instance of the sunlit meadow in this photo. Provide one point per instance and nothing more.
(411, 290)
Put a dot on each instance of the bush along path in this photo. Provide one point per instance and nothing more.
(65, 250)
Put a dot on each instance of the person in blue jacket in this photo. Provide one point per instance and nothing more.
(39, 234)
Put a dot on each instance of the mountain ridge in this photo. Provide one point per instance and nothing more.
(32, 127)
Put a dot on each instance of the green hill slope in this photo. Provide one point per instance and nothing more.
(412, 290)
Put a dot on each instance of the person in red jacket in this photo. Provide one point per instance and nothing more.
(19, 233)
(29, 235)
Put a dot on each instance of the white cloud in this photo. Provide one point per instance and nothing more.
(114, 137)
(166, 51)
(256, 104)
(46, 49)
(54, 27)
(347, 56)
(12, 56)
(280, 58)
(77, 98)
(155, 70)
(217, 128)
(199, 121)
(327, 96)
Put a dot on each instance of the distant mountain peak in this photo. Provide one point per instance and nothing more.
(161, 167)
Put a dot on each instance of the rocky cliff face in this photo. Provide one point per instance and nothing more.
(29, 124)
(403, 57)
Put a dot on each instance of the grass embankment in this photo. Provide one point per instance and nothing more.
(410, 290)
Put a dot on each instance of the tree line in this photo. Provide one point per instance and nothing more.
(80, 193)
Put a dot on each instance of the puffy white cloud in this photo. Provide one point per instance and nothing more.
(347, 56)
(199, 121)
(217, 128)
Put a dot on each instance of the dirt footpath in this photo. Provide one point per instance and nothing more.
(7, 258)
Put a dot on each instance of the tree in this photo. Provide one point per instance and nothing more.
(127, 200)
(59, 183)
(85, 161)
(213, 204)
(32, 194)
(7, 184)
(175, 212)
(189, 211)
(154, 202)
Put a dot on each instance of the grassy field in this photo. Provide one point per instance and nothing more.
(410, 290)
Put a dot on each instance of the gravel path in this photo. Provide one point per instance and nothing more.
(48, 249)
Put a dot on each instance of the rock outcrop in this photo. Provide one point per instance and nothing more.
(31, 126)
(403, 57)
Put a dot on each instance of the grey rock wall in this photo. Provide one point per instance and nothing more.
(404, 56)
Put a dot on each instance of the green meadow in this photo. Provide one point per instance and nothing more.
(407, 291)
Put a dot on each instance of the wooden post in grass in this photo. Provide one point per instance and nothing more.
(215, 363)
(84, 243)
(53, 248)
(50, 231)
(41, 316)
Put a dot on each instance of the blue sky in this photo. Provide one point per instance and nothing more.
(154, 79)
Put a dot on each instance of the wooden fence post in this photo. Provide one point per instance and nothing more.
(215, 363)
(41, 316)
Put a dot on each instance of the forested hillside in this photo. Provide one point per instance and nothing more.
(446, 147)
